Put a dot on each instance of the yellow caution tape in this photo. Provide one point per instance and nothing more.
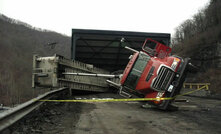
(109, 100)
(123, 100)
(190, 92)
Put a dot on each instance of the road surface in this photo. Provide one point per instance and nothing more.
(199, 116)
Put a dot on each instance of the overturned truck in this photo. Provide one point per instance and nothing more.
(150, 71)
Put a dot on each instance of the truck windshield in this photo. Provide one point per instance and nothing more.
(150, 44)
(136, 71)
(149, 47)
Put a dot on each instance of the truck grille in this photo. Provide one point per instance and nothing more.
(163, 79)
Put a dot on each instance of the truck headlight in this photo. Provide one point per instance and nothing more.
(175, 63)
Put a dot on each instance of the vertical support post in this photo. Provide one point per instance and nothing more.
(55, 67)
(34, 67)
(73, 45)
(207, 87)
(72, 42)
(70, 92)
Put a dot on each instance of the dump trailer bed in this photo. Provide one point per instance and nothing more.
(50, 72)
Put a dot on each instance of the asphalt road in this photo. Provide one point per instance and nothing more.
(199, 116)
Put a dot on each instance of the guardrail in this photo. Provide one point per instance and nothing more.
(196, 85)
(11, 116)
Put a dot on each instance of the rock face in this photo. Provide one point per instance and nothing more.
(219, 55)
(208, 56)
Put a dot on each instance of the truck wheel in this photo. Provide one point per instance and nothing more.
(191, 68)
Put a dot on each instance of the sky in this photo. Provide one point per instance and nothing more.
(123, 15)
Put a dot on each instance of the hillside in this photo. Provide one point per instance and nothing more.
(18, 42)
(200, 39)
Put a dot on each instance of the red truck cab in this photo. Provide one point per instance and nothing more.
(153, 73)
